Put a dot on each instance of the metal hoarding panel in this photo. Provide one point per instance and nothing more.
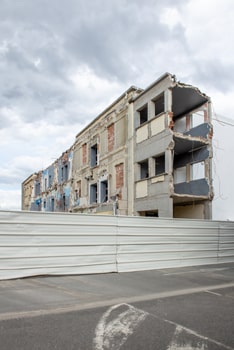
(34, 243)
(41, 244)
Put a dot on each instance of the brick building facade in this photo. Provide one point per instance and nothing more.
(149, 153)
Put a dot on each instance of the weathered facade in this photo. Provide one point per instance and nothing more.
(50, 188)
(28, 192)
(101, 164)
(149, 154)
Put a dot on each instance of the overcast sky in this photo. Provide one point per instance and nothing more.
(63, 62)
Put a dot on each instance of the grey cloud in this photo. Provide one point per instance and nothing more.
(105, 35)
(109, 41)
(214, 74)
(13, 92)
(10, 179)
(47, 41)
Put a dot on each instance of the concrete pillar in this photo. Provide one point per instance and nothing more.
(168, 100)
(129, 170)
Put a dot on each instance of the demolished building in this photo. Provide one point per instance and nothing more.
(149, 153)
(173, 151)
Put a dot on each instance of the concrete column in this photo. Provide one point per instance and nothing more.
(168, 100)
(166, 209)
(208, 210)
(129, 172)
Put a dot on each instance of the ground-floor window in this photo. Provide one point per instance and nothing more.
(103, 191)
(93, 193)
(149, 213)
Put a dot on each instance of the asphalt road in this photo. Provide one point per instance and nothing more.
(188, 308)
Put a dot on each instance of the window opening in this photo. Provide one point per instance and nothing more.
(94, 155)
(104, 191)
(52, 204)
(197, 118)
(197, 171)
(150, 213)
(64, 202)
(160, 165)
(144, 169)
(180, 125)
(143, 114)
(159, 104)
(65, 172)
(180, 175)
(93, 193)
(50, 180)
(38, 188)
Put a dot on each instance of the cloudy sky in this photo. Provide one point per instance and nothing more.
(63, 62)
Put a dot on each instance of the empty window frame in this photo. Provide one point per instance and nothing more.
(159, 162)
(50, 180)
(52, 204)
(159, 104)
(143, 114)
(94, 155)
(93, 193)
(150, 213)
(64, 173)
(199, 116)
(64, 202)
(197, 171)
(103, 191)
(180, 175)
(181, 125)
(37, 188)
(45, 183)
(144, 169)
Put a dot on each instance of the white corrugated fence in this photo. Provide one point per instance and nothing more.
(34, 243)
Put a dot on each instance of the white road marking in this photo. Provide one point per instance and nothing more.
(122, 320)
(202, 338)
(176, 343)
(111, 334)
(208, 291)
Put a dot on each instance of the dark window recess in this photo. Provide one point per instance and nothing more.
(93, 193)
(64, 202)
(144, 169)
(94, 155)
(160, 165)
(52, 204)
(38, 188)
(104, 191)
(50, 180)
(151, 213)
(159, 104)
(64, 173)
(143, 115)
